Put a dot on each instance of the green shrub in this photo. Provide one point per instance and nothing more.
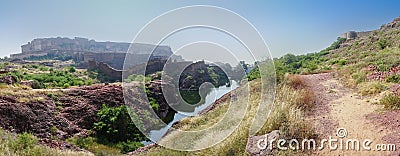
(53, 130)
(152, 101)
(382, 43)
(24, 141)
(66, 85)
(393, 78)
(342, 62)
(26, 144)
(359, 77)
(130, 146)
(71, 69)
(311, 66)
(253, 74)
(308, 63)
(92, 144)
(37, 84)
(115, 125)
(83, 142)
(43, 68)
(370, 88)
(56, 79)
(390, 101)
(136, 78)
(383, 66)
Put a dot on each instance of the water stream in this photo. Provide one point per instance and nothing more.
(210, 98)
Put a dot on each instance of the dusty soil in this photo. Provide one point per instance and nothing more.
(340, 107)
(390, 120)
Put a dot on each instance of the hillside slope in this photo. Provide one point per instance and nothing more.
(359, 70)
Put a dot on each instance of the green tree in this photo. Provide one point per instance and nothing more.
(243, 65)
(71, 69)
(115, 125)
(382, 43)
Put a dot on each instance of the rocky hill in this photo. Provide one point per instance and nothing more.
(370, 57)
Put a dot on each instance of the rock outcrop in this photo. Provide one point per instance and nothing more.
(8, 79)
(156, 89)
(259, 145)
(60, 116)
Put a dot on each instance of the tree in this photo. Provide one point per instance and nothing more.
(289, 58)
(72, 69)
(243, 64)
(115, 125)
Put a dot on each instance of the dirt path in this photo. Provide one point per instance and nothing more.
(340, 107)
(50, 90)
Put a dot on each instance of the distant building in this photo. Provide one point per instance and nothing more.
(354, 35)
(83, 50)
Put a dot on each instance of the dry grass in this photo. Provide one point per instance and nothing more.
(390, 102)
(287, 116)
(307, 99)
(345, 76)
(294, 81)
(306, 96)
(22, 93)
(371, 88)
(11, 145)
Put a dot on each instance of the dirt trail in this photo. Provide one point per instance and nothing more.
(340, 107)
(50, 90)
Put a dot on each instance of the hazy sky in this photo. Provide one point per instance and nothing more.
(296, 26)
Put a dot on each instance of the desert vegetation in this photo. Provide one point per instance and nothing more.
(48, 77)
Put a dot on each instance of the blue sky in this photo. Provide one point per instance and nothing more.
(288, 26)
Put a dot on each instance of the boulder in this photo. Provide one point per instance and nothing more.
(8, 79)
(28, 83)
(252, 146)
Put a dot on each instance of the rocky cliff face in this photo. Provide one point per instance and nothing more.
(63, 115)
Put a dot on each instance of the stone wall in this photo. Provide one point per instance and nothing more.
(26, 55)
(104, 68)
(115, 60)
(172, 68)
(354, 35)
